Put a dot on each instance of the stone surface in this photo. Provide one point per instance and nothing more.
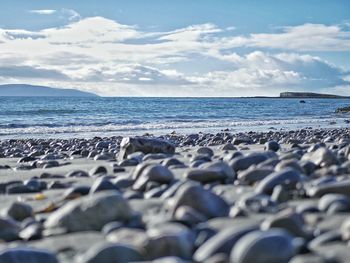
(91, 212)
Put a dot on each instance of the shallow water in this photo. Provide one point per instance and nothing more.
(23, 117)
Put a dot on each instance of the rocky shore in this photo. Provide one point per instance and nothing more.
(279, 196)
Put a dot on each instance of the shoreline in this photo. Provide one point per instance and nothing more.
(75, 199)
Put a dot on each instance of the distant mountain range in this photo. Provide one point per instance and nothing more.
(24, 90)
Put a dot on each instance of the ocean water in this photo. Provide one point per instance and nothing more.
(50, 117)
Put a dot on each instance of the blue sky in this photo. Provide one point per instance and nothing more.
(177, 48)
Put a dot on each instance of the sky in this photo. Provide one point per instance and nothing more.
(177, 48)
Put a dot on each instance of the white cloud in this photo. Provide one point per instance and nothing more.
(306, 37)
(96, 52)
(43, 11)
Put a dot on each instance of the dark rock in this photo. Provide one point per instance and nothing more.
(274, 246)
(110, 253)
(287, 176)
(27, 255)
(222, 242)
(209, 172)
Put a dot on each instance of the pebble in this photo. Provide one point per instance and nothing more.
(28, 255)
(274, 246)
(145, 145)
(202, 200)
(110, 253)
(211, 171)
(18, 211)
(91, 212)
(287, 176)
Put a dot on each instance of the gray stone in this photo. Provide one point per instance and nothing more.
(9, 229)
(244, 162)
(110, 253)
(252, 175)
(138, 144)
(102, 184)
(321, 157)
(211, 171)
(129, 236)
(222, 242)
(18, 211)
(98, 170)
(201, 200)
(287, 176)
(329, 202)
(289, 221)
(170, 239)
(340, 187)
(272, 146)
(91, 212)
(153, 173)
(27, 255)
(274, 246)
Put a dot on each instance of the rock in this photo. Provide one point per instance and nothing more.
(102, 144)
(76, 191)
(222, 242)
(31, 232)
(98, 170)
(171, 161)
(20, 188)
(244, 162)
(287, 220)
(341, 187)
(252, 175)
(334, 203)
(311, 258)
(170, 239)
(343, 110)
(9, 229)
(77, 173)
(102, 184)
(274, 246)
(188, 215)
(104, 157)
(256, 203)
(287, 176)
(129, 236)
(321, 157)
(345, 230)
(205, 151)
(209, 172)
(91, 212)
(153, 173)
(291, 163)
(242, 139)
(228, 147)
(201, 200)
(138, 144)
(110, 253)
(27, 255)
(18, 211)
(272, 146)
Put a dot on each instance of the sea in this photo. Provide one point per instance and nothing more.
(86, 117)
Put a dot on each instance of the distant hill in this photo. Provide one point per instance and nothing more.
(24, 90)
(309, 95)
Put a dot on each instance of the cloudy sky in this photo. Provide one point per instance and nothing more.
(177, 48)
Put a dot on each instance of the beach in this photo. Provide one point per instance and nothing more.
(199, 197)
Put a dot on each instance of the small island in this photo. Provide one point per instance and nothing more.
(311, 95)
